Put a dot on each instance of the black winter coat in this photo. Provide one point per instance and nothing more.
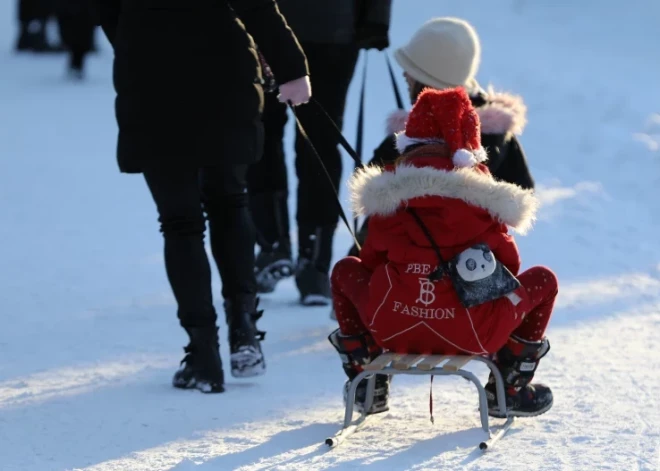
(502, 117)
(188, 79)
(362, 22)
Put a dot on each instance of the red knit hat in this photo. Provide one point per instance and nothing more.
(445, 116)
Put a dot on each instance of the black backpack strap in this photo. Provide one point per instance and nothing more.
(441, 269)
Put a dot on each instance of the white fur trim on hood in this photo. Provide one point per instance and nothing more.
(504, 113)
(374, 191)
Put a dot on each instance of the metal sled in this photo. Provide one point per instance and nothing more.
(438, 365)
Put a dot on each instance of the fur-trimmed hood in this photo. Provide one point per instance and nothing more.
(503, 113)
(375, 191)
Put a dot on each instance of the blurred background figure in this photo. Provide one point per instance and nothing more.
(76, 20)
(75, 29)
(33, 17)
(331, 32)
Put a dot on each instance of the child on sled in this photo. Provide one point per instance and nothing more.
(438, 272)
(446, 53)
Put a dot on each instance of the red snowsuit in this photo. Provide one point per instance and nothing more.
(388, 286)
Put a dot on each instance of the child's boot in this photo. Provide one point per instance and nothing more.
(356, 351)
(517, 362)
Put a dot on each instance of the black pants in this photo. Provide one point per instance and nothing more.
(331, 70)
(182, 197)
(29, 10)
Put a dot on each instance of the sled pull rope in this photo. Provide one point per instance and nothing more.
(347, 146)
(431, 401)
(395, 87)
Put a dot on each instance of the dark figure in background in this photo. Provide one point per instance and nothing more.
(331, 33)
(77, 22)
(33, 16)
(189, 102)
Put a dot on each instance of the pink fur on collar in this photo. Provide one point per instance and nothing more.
(504, 113)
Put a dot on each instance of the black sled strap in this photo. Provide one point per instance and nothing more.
(301, 129)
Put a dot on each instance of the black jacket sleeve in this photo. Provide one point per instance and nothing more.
(276, 40)
(386, 152)
(514, 167)
(108, 17)
(373, 24)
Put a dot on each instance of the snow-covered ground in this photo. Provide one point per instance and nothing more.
(89, 338)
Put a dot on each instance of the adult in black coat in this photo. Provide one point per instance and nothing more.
(331, 33)
(188, 107)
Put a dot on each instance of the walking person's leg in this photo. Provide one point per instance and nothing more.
(233, 237)
(76, 24)
(177, 197)
(332, 67)
(268, 185)
(33, 16)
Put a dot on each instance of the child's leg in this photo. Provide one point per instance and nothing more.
(542, 287)
(353, 341)
(350, 293)
(519, 357)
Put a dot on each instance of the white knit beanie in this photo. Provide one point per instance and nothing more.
(443, 53)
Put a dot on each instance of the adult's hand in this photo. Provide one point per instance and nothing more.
(296, 91)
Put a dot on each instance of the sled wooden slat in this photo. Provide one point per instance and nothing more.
(456, 363)
(382, 361)
(406, 361)
(431, 362)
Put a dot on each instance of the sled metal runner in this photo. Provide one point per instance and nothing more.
(437, 365)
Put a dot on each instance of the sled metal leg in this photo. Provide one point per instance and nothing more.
(497, 435)
(349, 429)
(427, 365)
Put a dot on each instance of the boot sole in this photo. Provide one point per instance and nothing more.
(206, 388)
(271, 274)
(250, 372)
(315, 300)
(247, 365)
(496, 413)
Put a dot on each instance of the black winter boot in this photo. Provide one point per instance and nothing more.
(271, 217)
(201, 368)
(247, 359)
(315, 254)
(356, 351)
(517, 362)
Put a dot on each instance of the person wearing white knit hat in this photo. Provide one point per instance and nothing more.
(446, 53)
(443, 53)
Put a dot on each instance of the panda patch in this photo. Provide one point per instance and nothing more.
(478, 278)
(475, 263)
